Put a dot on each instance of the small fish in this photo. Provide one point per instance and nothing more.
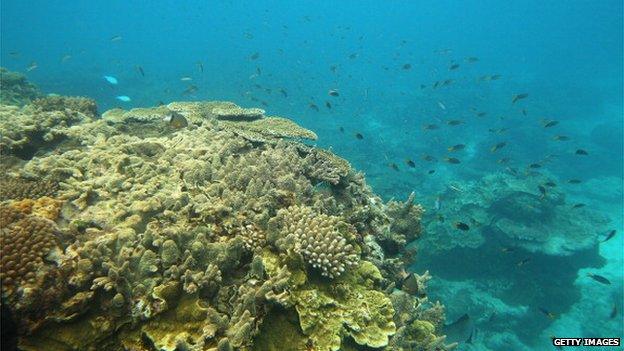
(116, 38)
(436, 84)
(123, 98)
(431, 171)
(561, 138)
(186, 79)
(192, 89)
(353, 56)
(471, 59)
(503, 160)
(519, 97)
(454, 122)
(140, 69)
(495, 77)
(200, 65)
(542, 190)
(579, 205)
(283, 92)
(328, 105)
(258, 71)
(600, 279)
(430, 127)
(407, 66)
(66, 58)
(112, 80)
(610, 235)
(507, 249)
(535, 165)
(333, 68)
(176, 120)
(333, 92)
(461, 226)
(454, 67)
(394, 166)
(447, 82)
(341, 129)
(314, 107)
(422, 86)
(574, 181)
(481, 114)
(441, 105)
(359, 136)
(548, 124)
(429, 158)
(33, 65)
(410, 163)
(550, 184)
(498, 146)
(581, 152)
(524, 112)
(547, 313)
(614, 311)
(255, 56)
(523, 262)
(452, 160)
(456, 147)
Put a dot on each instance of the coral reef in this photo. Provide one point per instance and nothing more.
(16, 90)
(14, 188)
(222, 235)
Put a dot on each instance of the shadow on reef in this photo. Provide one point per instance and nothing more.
(202, 226)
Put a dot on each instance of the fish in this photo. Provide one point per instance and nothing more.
(186, 79)
(409, 284)
(579, 205)
(454, 67)
(33, 65)
(503, 160)
(549, 124)
(192, 89)
(461, 226)
(542, 190)
(447, 82)
(600, 279)
(140, 69)
(610, 235)
(498, 146)
(550, 184)
(459, 331)
(359, 136)
(547, 313)
(495, 77)
(314, 107)
(581, 152)
(200, 65)
(410, 163)
(481, 114)
(353, 56)
(454, 122)
(456, 147)
(422, 86)
(112, 80)
(431, 171)
(258, 71)
(283, 92)
(430, 127)
(524, 112)
(561, 138)
(123, 98)
(328, 105)
(333, 92)
(614, 311)
(394, 166)
(497, 130)
(407, 66)
(441, 105)
(452, 160)
(176, 120)
(428, 158)
(507, 249)
(254, 56)
(333, 68)
(574, 181)
(471, 59)
(535, 165)
(341, 129)
(116, 38)
(65, 58)
(523, 262)
(519, 97)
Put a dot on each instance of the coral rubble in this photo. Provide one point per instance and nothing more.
(227, 234)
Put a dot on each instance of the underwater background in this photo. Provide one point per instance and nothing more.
(504, 117)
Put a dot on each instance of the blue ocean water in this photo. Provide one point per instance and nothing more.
(384, 59)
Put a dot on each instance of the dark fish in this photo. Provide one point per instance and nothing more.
(200, 65)
(410, 163)
(454, 122)
(429, 158)
(258, 71)
(462, 226)
(407, 66)
(176, 120)
(547, 313)
(436, 84)
(430, 127)
(452, 160)
(422, 86)
(264, 103)
(454, 67)
(535, 165)
(579, 205)
(524, 112)
(190, 90)
(314, 107)
(140, 69)
(394, 166)
(255, 56)
(574, 181)
(460, 330)
(456, 147)
(431, 171)
(600, 279)
(495, 77)
(481, 114)
(353, 56)
(542, 190)
(498, 146)
(561, 138)
(328, 105)
(548, 124)
(341, 129)
(523, 262)
(471, 59)
(333, 68)
(614, 311)
(581, 152)
(447, 82)
(283, 92)
(359, 136)
(333, 92)
(610, 235)
(518, 97)
(161, 103)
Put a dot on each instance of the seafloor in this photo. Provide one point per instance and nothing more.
(221, 231)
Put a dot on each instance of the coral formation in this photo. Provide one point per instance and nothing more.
(16, 90)
(13, 188)
(233, 112)
(195, 238)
